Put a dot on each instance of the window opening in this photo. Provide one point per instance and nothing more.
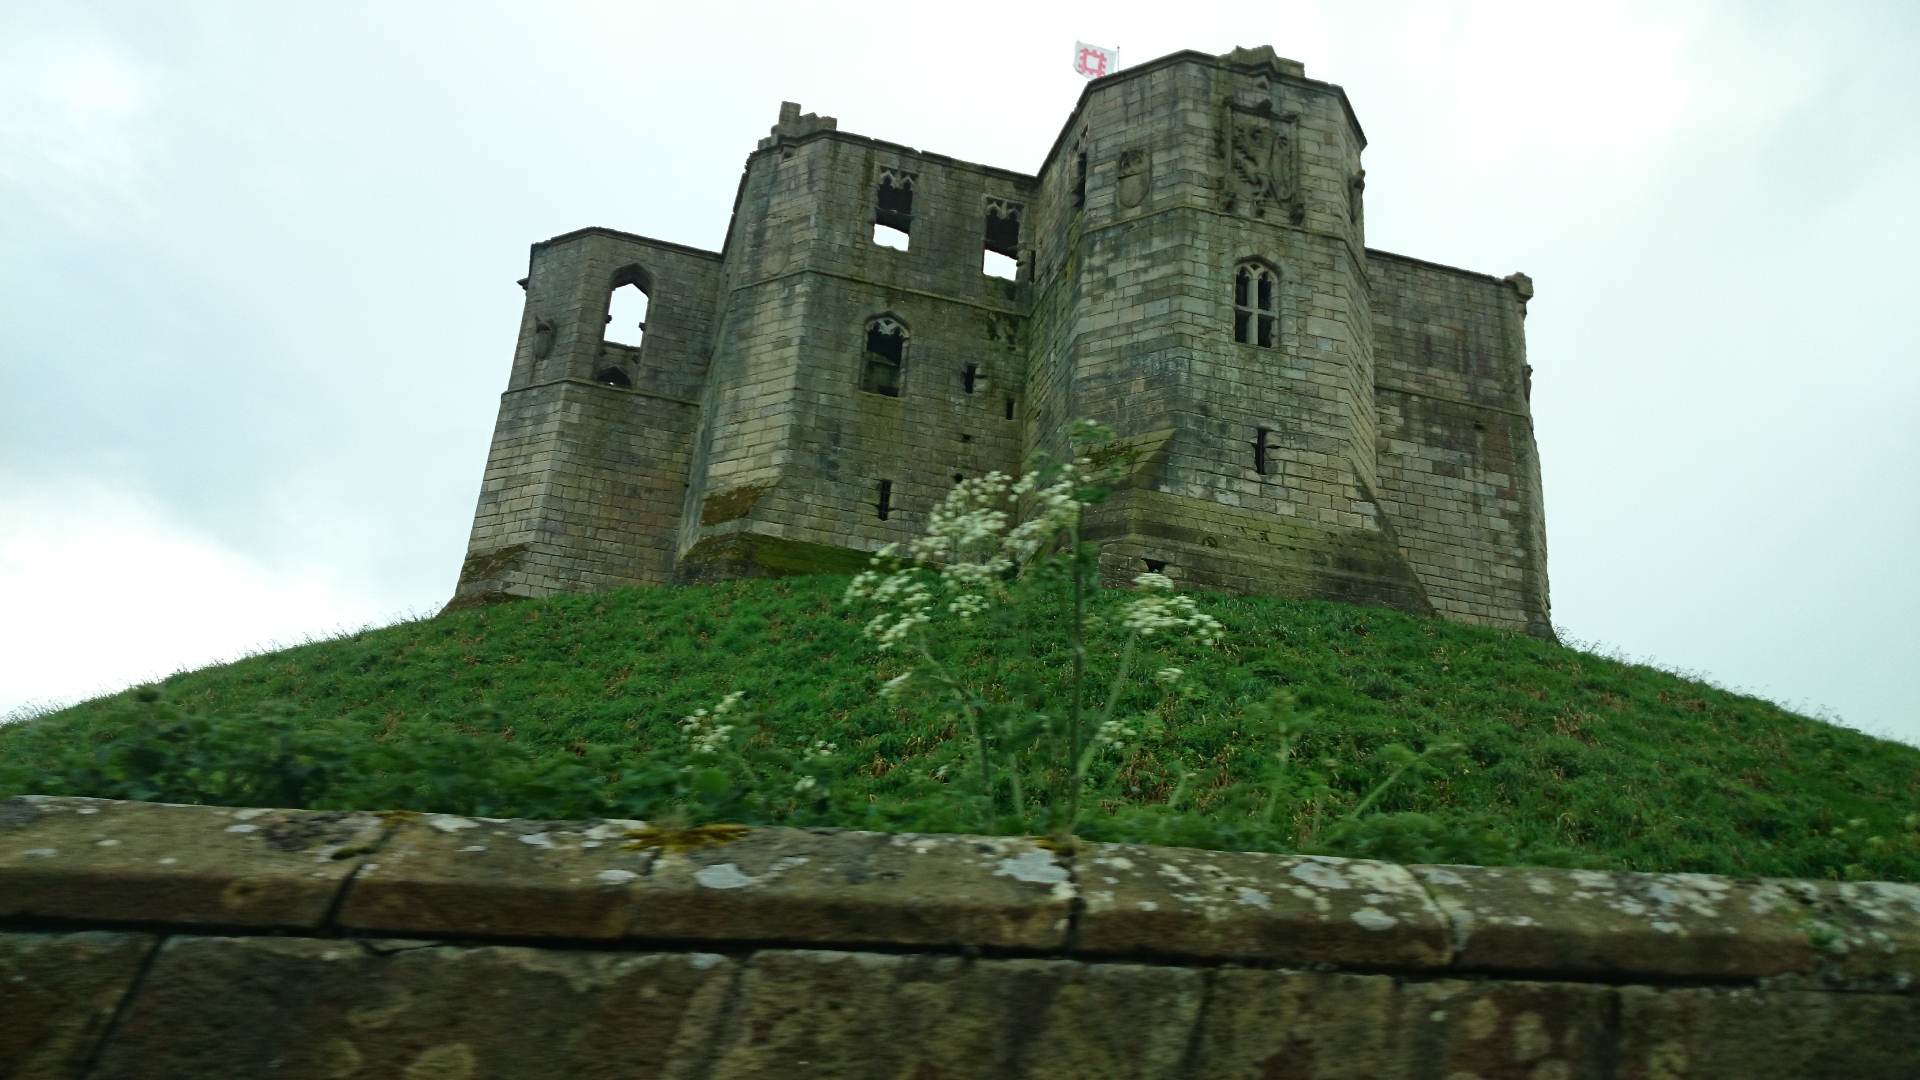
(957, 477)
(1260, 450)
(966, 438)
(1155, 566)
(613, 376)
(626, 315)
(967, 376)
(1002, 240)
(1255, 305)
(885, 503)
(1009, 408)
(1080, 181)
(893, 209)
(885, 357)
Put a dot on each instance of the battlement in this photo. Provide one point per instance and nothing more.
(1188, 265)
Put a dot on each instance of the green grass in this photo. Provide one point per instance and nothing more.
(1574, 757)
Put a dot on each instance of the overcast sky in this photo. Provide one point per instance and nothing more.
(257, 296)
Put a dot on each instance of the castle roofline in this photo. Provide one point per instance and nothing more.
(899, 148)
(602, 230)
(1288, 71)
(1376, 253)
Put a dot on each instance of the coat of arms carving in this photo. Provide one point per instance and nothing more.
(1261, 175)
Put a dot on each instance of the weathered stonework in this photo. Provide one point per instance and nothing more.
(1326, 421)
(133, 944)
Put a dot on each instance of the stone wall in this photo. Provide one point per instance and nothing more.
(1459, 469)
(149, 941)
(585, 480)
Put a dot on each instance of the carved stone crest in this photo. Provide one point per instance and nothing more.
(1261, 172)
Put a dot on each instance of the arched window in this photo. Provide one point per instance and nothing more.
(1256, 305)
(885, 359)
(627, 308)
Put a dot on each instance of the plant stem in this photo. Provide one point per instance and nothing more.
(1076, 630)
(1377, 791)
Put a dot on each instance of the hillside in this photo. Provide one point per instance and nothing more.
(554, 708)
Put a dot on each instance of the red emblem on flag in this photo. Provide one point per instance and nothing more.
(1094, 61)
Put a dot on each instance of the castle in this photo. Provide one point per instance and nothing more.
(1311, 418)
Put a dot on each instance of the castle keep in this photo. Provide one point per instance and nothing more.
(1313, 418)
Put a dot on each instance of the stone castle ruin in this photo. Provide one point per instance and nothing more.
(1312, 418)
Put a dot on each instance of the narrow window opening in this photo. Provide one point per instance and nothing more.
(613, 376)
(1155, 566)
(626, 316)
(1256, 305)
(884, 358)
(967, 376)
(1080, 181)
(1260, 450)
(1002, 240)
(885, 503)
(957, 477)
(893, 209)
(966, 438)
(1009, 408)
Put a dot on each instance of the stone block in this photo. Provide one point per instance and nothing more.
(303, 1008)
(806, 1013)
(1571, 923)
(612, 879)
(831, 886)
(1741, 1033)
(1866, 933)
(114, 861)
(444, 874)
(1338, 1026)
(58, 993)
(1248, 906)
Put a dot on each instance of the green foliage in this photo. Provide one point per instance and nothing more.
(570, 707)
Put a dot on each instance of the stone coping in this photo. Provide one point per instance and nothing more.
(627, 885)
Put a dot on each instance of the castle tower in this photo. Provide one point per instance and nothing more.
(1201, 284)
(864, 361)
(1312, 418)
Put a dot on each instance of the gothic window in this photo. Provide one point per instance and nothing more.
(884, 503)
(1256, 305)
(1002, 242)
(885, 357)
(893, 209)
(627, 307)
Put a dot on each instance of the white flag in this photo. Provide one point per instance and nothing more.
(1094, 61)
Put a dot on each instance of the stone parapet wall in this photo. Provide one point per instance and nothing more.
(142, 940)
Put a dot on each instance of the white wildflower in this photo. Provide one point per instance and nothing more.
(821, 749)
(1112, 733)
(704, 732)
(1153, 581)
(804, 785)
(1167, 676)
(1158, 613)
(895, 686)
(968, 605)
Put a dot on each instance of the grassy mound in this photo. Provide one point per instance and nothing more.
(545, 708)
